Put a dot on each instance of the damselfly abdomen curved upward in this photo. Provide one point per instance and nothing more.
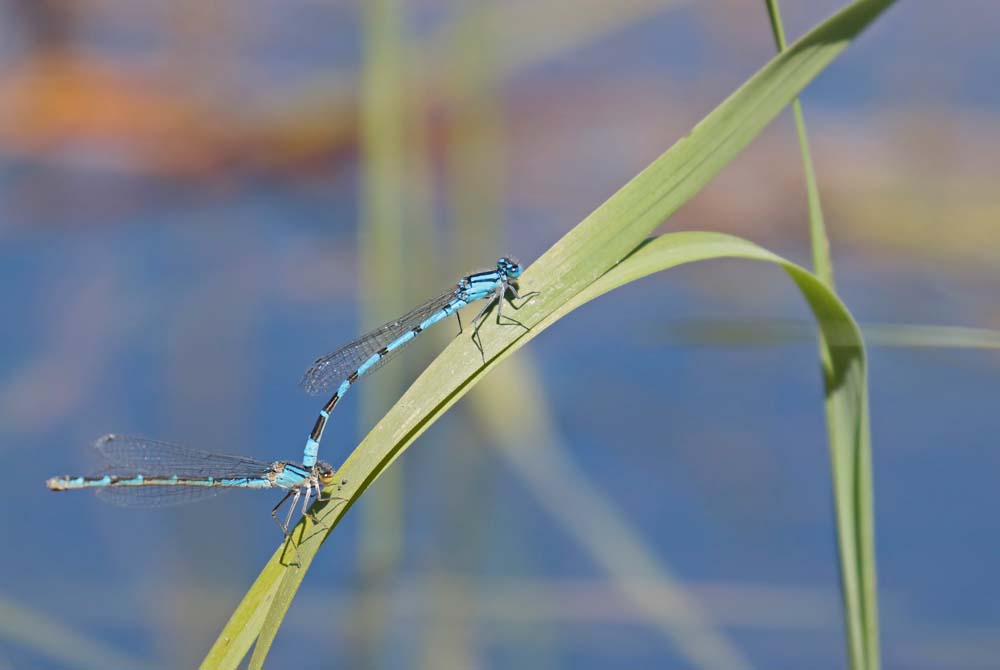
(345, 366)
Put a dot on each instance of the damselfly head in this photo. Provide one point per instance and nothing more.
(509, 266)
(325, 473)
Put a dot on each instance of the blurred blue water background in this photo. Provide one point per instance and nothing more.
(185, 307)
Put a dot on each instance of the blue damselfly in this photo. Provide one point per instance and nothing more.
(146, 473)
(374, 349)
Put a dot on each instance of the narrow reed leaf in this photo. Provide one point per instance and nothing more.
(818, 239)
(846, 389)
(390, 117)
(777, 332)
(600, 242)
(861, 619)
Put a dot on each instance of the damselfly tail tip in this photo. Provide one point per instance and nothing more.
(56, 483)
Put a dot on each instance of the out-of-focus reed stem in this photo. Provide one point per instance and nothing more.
(851, 478)
(381, 271)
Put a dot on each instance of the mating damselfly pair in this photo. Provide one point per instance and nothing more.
(140, 472)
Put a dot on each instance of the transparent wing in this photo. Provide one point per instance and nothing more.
(156, 496)
(126, 456)
(335, 367)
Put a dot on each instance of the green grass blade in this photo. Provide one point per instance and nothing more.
(583, 255)
(911, 335)
(246, 622)
(777, 332)
(528, 32)
(845, 379)
(861, 619)
(820, 242)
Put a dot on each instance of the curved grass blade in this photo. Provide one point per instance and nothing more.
(862, 646)
(846, 399)
(846, 390)
(572, 265)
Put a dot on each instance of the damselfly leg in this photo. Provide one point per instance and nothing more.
(498, 298)
(294, 495)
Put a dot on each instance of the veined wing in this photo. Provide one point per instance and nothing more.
(126, 455)
(156, 496)
(337, 366)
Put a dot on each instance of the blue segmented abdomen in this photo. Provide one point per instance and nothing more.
(374, 349)
(374, 362)
(105, 481)
(340, 365)
(147, 473)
